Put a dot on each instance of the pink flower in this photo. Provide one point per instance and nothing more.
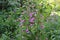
(32, 19)
(31, 14)
(22, 21)
(27, 30)
(31, 24)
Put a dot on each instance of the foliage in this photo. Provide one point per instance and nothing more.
(34, 20)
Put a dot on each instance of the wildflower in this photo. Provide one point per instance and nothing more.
(32, 20)
(22, 21)
(31, 14)
(27, 30)
(31, 24)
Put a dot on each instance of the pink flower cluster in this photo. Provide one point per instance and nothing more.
(31, 18)
(27, 30)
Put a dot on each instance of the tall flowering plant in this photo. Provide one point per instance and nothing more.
(35, 16)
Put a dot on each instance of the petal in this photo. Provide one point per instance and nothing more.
(32, 19)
